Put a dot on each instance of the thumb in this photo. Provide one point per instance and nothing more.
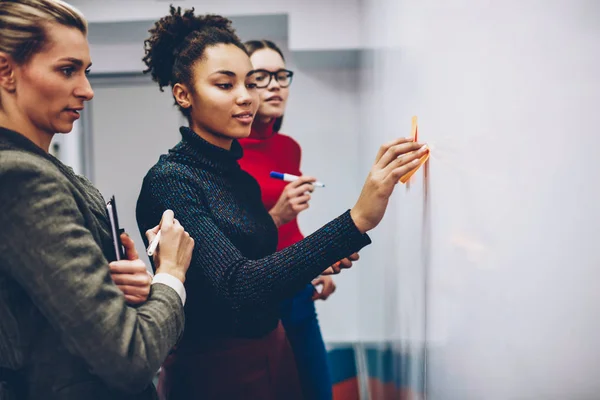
(167, 220)
(130, 251)
(316, 295)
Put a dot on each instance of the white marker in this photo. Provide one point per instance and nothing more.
(153, 245)
(291, 178)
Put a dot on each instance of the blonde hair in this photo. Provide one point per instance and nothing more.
(23, 25)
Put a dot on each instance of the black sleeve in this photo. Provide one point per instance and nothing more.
(236, 280)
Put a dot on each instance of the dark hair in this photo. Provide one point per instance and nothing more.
(254, 45)
(178, 41)
(23, 25)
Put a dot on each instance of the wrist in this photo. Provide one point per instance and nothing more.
(276, 218)
(358, 221)
(171, 269)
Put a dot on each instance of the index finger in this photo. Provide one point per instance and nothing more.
(386, 146)
(396, 151)
(151, 233)
(118, 267)
(302, 180)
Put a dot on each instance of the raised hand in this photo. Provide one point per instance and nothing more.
(393, 160)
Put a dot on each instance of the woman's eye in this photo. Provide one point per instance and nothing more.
(68, 71)
(251, 85)
(224, 85)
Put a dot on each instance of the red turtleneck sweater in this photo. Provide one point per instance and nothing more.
(266, 151)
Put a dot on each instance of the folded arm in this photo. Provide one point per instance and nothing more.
(46, 248)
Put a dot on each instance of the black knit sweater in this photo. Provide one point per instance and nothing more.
(236, 280)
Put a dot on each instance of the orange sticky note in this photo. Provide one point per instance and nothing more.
(414, 130)
(407, 176)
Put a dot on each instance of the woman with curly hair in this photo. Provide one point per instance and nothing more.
(234, 346)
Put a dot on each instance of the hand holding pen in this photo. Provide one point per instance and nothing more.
(153, 245)
(293, 200)
(130, 274)
(292, 178)
(172, 250)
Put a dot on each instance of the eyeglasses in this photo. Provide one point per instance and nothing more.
(262, 78)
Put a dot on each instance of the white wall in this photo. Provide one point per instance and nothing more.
(118, 47)
(396, 257)
(507, 95)
(323, 117)
(314, 24)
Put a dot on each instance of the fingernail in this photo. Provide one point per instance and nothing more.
(416, 161)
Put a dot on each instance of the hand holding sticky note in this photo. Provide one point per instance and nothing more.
(423, 160)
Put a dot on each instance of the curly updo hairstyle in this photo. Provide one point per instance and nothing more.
(178, 40)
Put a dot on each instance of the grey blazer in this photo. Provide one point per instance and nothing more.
(65, 328)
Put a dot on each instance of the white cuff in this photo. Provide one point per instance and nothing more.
(172, 282)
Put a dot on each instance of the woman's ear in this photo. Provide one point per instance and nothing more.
(7, 73)
(182, 95)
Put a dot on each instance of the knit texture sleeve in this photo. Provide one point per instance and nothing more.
(46, 248)
(233, 278)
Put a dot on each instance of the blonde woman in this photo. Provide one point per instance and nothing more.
(66, 329)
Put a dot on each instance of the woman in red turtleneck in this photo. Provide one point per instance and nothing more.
(264, 151)
(267, 150)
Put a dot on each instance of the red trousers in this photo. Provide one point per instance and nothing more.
(249, 369)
